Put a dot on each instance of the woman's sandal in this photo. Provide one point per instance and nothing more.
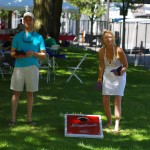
(31, 123)
(11, 124)
(116, 130)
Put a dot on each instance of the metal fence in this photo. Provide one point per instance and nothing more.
(136, 33)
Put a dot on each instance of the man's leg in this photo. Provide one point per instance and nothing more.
(30, 100)
(31, 81)
(14, 104)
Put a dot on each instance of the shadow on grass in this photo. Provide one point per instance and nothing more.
(55, 99)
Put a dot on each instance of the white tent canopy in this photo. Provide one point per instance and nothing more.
(16, 4)
(66, 7)
(28, 5)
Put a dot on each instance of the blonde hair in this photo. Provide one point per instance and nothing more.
(102, 38)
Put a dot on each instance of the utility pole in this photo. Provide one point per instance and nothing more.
(123, 32)
(107, 12)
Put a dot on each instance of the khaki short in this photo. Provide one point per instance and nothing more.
(25, 76)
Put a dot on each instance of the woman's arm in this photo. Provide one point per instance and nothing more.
(123, 60)
(101, 64)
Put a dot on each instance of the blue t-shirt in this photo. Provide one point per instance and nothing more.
(31, 41)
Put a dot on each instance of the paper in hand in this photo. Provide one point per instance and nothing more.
(21, 52)
(117, 70)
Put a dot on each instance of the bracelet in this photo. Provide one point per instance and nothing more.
(99, 79)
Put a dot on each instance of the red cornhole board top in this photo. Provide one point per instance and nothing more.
(78, 125)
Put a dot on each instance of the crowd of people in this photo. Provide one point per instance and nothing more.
(5, 53)
(27, 46)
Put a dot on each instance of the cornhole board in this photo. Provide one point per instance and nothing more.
(79, 125)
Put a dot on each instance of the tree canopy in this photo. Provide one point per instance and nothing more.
(94, 9)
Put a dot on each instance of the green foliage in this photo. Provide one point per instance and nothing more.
(93, 8)
(3, 14)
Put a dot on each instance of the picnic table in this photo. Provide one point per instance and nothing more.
(66, 37)
(4, 37)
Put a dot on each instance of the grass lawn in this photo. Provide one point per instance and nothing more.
(55, 99)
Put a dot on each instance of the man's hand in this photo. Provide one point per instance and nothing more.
(29, 53)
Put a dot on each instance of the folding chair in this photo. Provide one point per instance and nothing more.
(5, 69)
(54, 49)
(45, 65)
(73, 69)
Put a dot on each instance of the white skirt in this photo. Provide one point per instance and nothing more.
(113, 85)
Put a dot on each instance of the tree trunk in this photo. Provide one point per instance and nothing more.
(42, 15)
(56, 14)
(91, 35)
(78, 27)
(47, 16)
(9, 19)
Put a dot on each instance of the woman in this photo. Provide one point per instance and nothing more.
(113, 83)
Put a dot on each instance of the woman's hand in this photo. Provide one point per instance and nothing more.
(116, 73)
(123, 70)
(99, 85)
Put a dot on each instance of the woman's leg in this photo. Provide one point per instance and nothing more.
(117, 111)
(107, 109)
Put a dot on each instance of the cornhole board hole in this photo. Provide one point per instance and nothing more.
(88, 126)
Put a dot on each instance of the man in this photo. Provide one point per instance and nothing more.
(27, 47)
(50, 41)
(20, 26)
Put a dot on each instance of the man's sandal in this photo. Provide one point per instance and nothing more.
(31, 123)
(11, 124)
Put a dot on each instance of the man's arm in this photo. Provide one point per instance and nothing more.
(40, 55)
